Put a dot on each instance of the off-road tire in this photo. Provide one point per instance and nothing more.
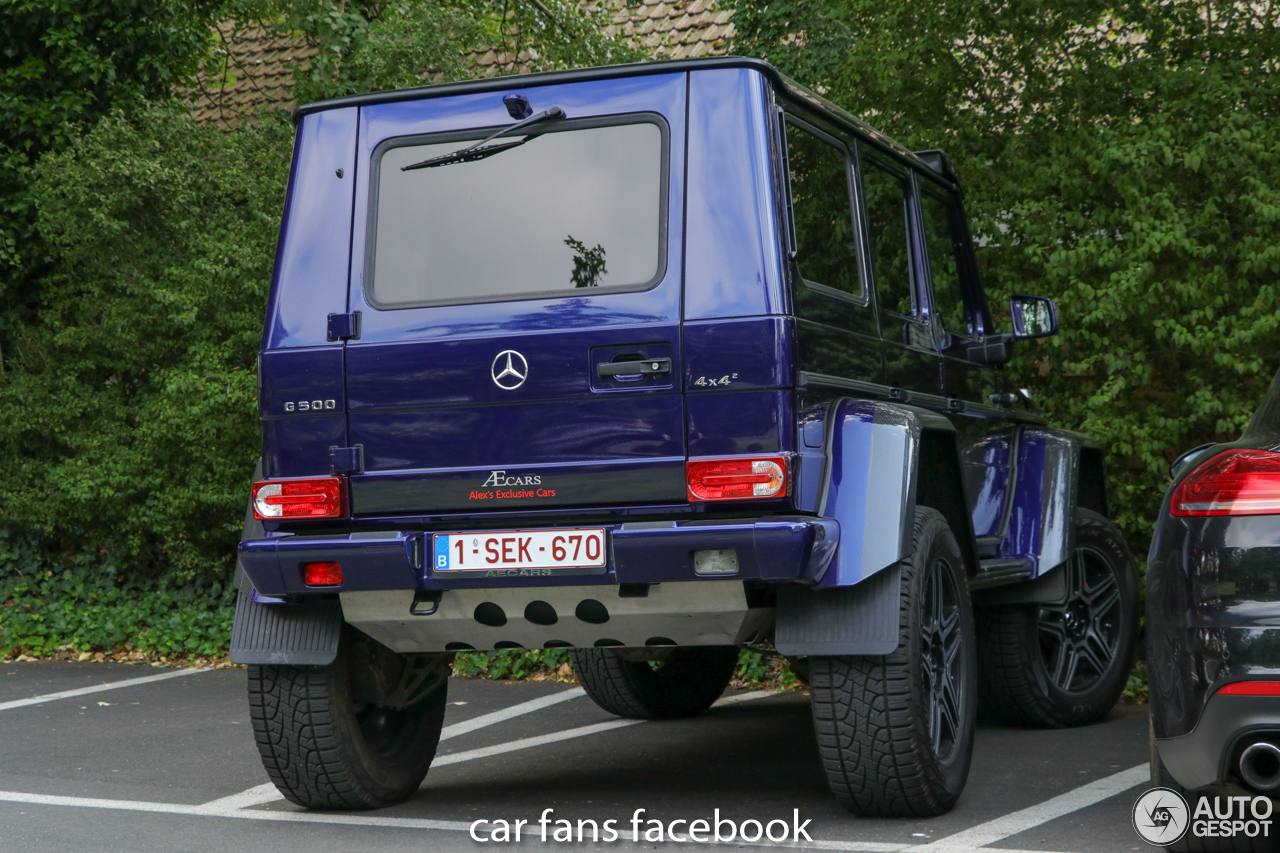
(872, 714)
(1161, 778)
(325, 750)
(1015, 685)
(682, 685)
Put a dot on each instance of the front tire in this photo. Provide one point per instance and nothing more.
(895, 732)
(1064, 664)
(682, 683)
(325, 747)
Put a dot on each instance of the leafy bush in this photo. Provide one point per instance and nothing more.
(763, 670)
(512, 663)
(755, 669)
(1124, 160)
(128, 412)
(94, 605)
(68, 62)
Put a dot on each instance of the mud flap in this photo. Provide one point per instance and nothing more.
(286, 634)
(854, 620)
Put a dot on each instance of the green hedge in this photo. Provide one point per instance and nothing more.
(94, 605)
(128, 408)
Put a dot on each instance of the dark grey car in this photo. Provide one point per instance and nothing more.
(1213, 624)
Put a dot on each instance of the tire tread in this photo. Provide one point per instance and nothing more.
(864, 719)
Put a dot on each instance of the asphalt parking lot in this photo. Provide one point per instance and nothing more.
(168, 763)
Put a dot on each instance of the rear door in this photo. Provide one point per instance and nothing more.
(498, 297)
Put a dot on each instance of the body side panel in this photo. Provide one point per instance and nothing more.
(733, 266)
(869, 486)
(315, 240)
(1021, 484)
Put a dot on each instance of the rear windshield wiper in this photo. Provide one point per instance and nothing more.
(479, 151)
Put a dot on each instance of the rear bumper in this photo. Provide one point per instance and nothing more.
(774, 548)
(1202, 757)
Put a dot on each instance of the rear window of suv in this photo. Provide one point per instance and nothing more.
(580, 208)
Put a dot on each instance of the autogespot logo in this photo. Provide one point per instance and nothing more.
(509, 370)
(1161, 816)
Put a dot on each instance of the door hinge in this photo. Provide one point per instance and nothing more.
(346, 460)
(344, 326)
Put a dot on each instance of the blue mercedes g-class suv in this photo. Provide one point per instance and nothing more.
(651, 363)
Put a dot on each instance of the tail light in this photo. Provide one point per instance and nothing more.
(737, 479)
(322, 574)
(1237, 482)
(316, 497)
(1249, 688)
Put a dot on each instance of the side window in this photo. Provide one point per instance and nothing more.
(826, 253)
(944, 267)
(885, 200)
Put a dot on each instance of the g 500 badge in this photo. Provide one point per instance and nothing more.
(310, 405)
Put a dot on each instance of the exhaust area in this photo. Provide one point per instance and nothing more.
(1260, 766)
(690, 613)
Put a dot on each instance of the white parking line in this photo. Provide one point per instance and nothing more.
(1031, 817)
(467, 726)
(528, 742)
(742, 697)
(267, 793)
(98, 688)
(569, 734)
(257, 796)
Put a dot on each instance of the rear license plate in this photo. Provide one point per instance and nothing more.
(578, 548)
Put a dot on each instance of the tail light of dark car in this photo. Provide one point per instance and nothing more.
(1235, 482)
(311, 497)
(1250, 688)
(740, 478)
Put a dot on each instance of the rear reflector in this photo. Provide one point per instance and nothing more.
(318, 497)
(737, 479)
(322, 574)
(1237, 482)
(1249, 688)
(722, 561)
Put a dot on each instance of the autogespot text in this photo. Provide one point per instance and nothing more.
(639, 828)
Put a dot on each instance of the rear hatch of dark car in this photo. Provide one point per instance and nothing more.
(519, 330)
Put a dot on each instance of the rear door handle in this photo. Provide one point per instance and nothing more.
(649, 367)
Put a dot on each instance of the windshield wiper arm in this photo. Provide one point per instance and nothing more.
(475, 151)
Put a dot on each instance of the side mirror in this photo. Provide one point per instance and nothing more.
(1033, 316)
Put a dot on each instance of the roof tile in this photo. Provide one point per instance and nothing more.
(252, 68)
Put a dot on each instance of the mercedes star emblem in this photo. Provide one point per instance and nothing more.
(509, 370)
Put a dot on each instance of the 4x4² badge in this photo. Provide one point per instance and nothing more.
(509, 370)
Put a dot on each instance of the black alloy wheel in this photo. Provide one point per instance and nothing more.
(1065, 662)
(1079, 638)
(944, 664)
